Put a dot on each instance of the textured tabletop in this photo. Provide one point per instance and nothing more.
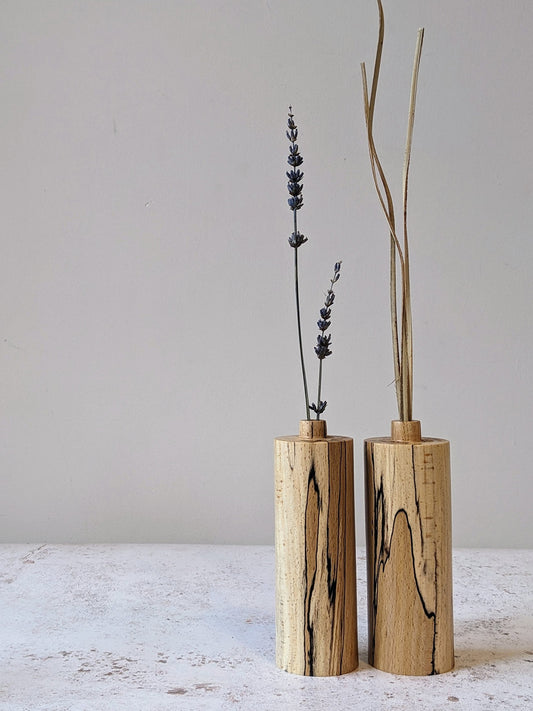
(156, 627)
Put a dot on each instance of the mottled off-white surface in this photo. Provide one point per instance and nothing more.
(156, 627)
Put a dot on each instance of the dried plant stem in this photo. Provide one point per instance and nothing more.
(297, 294)
(394, 320)
(407, 384)
(402, 344)
(319, 387)
(388, 209)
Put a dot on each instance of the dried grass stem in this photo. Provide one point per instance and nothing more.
(402, 341)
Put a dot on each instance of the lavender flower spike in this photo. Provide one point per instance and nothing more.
(322, 348)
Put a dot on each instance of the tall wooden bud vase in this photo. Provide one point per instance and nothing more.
(316, 615)
(408, 518)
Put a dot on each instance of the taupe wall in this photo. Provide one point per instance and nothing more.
(148, 351)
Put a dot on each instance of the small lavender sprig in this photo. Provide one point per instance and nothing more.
(295, 201)
(322, 348)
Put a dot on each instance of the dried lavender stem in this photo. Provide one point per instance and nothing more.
(297, 293)
(319, 387)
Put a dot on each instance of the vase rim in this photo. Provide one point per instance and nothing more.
(313, 429)
(406, 431)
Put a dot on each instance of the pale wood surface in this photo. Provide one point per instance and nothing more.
(406, 431)
(313, 429)
(408, 509)
(316, 615)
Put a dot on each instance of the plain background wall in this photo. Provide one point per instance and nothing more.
(148, 345)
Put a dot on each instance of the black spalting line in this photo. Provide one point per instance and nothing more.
(434, 671)
(311, 481)
(332, 578)
(291, 465)
(331, 568)
(378, 495)
(380, 558)
(427, 613)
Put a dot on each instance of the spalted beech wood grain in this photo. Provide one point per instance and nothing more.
(408, 518)
(316, 616)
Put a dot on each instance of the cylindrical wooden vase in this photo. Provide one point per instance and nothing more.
(316, 615)
(409, 553)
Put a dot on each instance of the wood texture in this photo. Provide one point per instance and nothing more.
(406, 431)
(408, 518)
(313, 429)
(316, 615)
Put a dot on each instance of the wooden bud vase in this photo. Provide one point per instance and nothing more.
(316, 615)
(409, 554)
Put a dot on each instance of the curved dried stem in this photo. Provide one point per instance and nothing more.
(402, 354)
(407, 385)
(388, 210)
(377, 61)
(390, 204)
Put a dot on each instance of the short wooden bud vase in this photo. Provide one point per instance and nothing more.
(409, 554)
(316, 615)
